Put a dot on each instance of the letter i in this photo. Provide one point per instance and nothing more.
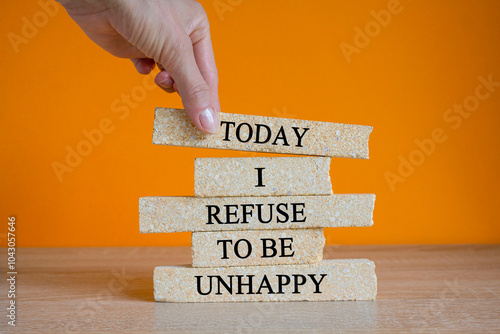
(259, 177)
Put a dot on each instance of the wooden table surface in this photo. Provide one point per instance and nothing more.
(96, 290)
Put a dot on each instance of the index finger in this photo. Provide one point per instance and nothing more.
(204, 56)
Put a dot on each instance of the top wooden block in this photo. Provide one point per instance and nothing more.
(264, 134)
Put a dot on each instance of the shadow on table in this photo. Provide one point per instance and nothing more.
(268, 316)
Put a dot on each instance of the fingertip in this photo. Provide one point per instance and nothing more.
(143, 65)
(209, 121)
(164, 80)
(168, 90)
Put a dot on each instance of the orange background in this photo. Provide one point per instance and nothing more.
(275, 58)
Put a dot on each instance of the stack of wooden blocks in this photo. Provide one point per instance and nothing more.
(258, 223)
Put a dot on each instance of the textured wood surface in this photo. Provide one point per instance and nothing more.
(95, 290)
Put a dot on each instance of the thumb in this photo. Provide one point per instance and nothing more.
(193, 89)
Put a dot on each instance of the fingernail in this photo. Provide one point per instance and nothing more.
(161, 83)
(209, 120)
(166, 83)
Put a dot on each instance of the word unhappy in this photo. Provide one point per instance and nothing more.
(245, 284)
(352, 279)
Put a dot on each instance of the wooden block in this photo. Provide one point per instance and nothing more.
(264, 134)
(257, 248)
(326, 280)
(186, 214)
(272, 176)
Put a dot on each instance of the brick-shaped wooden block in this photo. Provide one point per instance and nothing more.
(189, 214)
(326, 280)
(257, 248)
(264, 134)
(283, 176)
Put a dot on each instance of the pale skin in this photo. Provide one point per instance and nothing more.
(175, 34)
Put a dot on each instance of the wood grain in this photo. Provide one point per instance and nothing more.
(449, 288)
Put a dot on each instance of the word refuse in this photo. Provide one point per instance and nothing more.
(197, 214)
(265, 213)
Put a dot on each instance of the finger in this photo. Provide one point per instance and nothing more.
(165, 81)
(168, 90)
(204, 56)
(192, 87)
(143, 65)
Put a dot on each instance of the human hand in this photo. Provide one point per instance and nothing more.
(175, 34)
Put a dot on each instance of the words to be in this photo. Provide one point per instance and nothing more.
(242, 248)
